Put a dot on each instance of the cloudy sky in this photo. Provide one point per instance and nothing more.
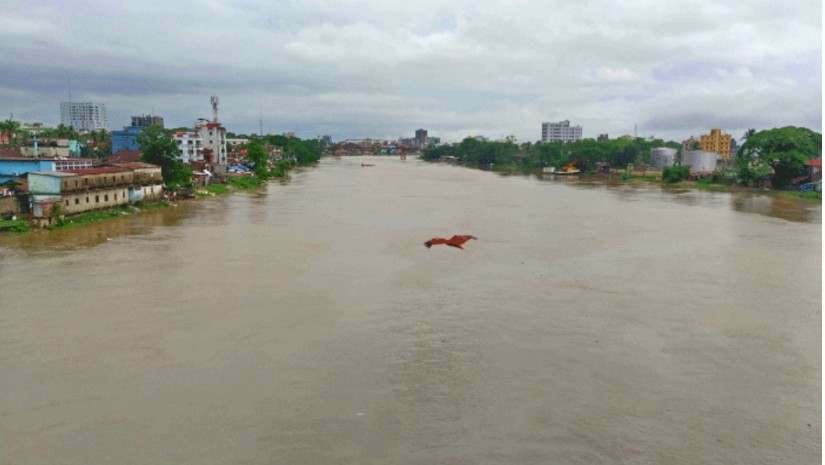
(382, 68)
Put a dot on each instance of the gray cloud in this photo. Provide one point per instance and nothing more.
(378, 68)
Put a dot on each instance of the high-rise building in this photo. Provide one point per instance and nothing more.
(83, 116)
(603, 137)
(717, 141)
(420, 138)
(560, 132)
(142, 121)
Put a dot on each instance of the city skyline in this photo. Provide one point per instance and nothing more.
(674, 70)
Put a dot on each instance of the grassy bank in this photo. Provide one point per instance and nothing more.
(14, 226)
(96, 216)
(810, 196)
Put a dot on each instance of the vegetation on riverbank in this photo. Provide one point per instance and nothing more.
(776, 157)
(812, 196)
(14, 226)
(96, 216)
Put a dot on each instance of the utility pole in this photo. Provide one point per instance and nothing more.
(260, 121)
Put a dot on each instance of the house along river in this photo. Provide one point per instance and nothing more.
(308, 324)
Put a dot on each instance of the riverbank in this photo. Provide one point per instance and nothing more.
(653, 178)
(233, 184)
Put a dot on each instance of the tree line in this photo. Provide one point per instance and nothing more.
(584, 153)
(777, 155)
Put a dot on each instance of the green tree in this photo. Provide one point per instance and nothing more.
(158, 148)
(780, 153)
(257, 155)
(10, 128)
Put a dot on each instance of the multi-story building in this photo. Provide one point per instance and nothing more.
(83, 116)
(190, 145)
(142, 121)
(127, 138)
(717, 141)
(83, 189)
(207, 143)
(603, 137)
(213, 140)
(560, 132)
(420, 138)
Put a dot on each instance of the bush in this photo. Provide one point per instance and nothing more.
(675, 173)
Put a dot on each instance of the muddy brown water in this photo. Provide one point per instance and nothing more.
(308, 324)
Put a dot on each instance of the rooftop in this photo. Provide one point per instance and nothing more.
(98, 170)
(56, 174)
(125, 156)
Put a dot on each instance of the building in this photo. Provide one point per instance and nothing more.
(734, 147)
(142, 121)
(80, 190)
(83, 116)
(662, 157)
(126, 139)
(700, 161)
(12, 168)
(814, 169)
(717, 141)
(603, 138)
(560, 132)
(190, 145)
(124, 156)
(420, 138)
(213, 141)
(236, 141)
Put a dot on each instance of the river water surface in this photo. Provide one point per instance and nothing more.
(308, 324)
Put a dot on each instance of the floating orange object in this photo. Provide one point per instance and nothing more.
(455, 241)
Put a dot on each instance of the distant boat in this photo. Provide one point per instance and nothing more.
(569, 168)
(570, 171)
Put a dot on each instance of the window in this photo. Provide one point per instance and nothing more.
(67, 202)
(85, 181)
(106, 198)
(115, 196)
(87, 199)
(97, 198)
(76, 201)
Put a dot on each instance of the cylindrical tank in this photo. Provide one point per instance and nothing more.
(662, 157)
(699, 161)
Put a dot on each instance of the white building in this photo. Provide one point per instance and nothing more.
(560, 132)
(207, 142)
(190, 145)
(83, 116)
(213, 139)
(236, 141)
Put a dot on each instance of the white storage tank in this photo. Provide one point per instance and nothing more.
(699, 161)
(662, 157)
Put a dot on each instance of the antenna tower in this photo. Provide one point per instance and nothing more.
(214, 101)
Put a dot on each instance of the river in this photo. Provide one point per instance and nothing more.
(308, 324)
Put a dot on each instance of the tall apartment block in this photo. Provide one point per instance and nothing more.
(560, 132)
(83, 116)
